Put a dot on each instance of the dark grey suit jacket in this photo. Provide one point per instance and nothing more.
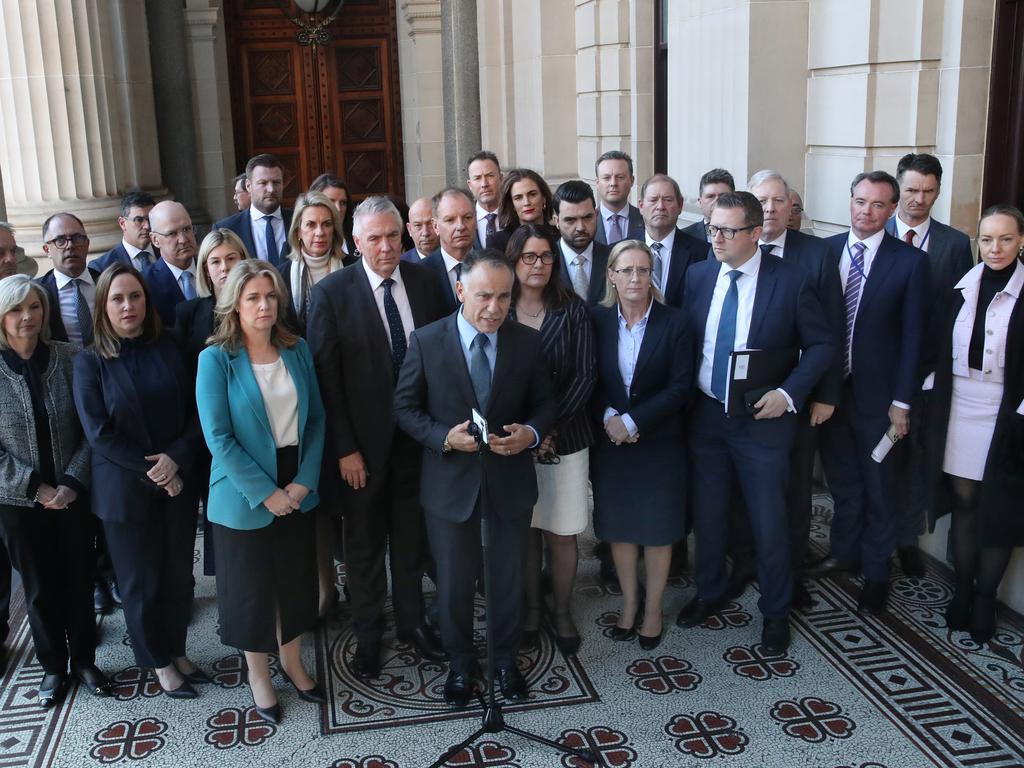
(697, 230)
(633, 221)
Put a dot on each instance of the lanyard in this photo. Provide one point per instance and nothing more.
(853, 261)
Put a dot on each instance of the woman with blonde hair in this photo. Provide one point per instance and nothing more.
(260, 409)
(44, 503)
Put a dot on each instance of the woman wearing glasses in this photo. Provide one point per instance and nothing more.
(541, 300)
(644, 379)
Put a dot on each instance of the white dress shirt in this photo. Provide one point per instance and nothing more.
(921, 231)
(845, 264)
(569, 256)
(179, 272)
(481, 223)
(778, 244)
(280, 399)
(397, 292)
(630, 341)
(66, 295)
(259, 231)
(666, 254)
(133, 253)
(746, 287)
(606, 216)
(450, 262)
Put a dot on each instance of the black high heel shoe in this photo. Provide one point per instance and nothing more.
(273, 714)
(314, 695)
(51, 690)
(183, 691)
(622, 634)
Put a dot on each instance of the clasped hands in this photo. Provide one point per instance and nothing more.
(164, 473)
(520, 437)
(284, 501)
(60, 497)
(618, 432)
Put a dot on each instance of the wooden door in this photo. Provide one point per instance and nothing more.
(333, 108)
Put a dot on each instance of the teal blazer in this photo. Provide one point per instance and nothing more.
(238, 434)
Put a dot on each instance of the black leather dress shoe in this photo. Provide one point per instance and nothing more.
(775, 636)
(739, 579)
(94, 681)
(873, 597)
(697, 611)
(829, 565)
(366, 660)
(801, 597)
(512, 683)
(458, 689)
(426, 642)
(911, 562)
(51, 690)
(983, 618)
(958, 612)
(102, 603)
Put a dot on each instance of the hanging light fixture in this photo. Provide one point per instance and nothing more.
(312, 28)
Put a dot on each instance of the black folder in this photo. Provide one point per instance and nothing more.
(756, 371)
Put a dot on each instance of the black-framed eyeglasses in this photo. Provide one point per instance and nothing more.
(186, 230)
(530, 258)
(628, 272)
(727, 232)
(63, 241)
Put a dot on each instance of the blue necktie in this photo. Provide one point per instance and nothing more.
(272, 253)
(188, 287)
(395, 327)
(480, 370)
(854, 281)
(726, 339)
(83, 314)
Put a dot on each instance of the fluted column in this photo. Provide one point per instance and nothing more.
(77, 119)
(460, 65)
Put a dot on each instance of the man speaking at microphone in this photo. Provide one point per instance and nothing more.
(473, 359)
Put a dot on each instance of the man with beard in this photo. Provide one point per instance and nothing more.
(264, 225)
(585, 260)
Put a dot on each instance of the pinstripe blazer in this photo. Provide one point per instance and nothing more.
(19, 452)
(567, 340)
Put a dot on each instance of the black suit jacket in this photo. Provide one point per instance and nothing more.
(697, 230)
(352, 353)
(598, 272)
(949, 257)
(890, 325)
(114, 255)
(435, 263)
(634, 221)
(811, 254)
(49, 283)
(434, 393)
(164, 291)
(241, 224)
(193, 325)
(686, 251)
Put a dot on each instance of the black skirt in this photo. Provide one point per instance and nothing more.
(268, 574)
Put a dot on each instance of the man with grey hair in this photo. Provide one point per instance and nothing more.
(358, 331)
(811, 255)
(455, 222)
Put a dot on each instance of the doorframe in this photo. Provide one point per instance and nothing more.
(1004, 145)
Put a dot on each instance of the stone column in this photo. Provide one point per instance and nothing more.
(78, 118)
(172, 89)
(460, 69)
(419, 66)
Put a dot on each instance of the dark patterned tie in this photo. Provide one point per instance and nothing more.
(83, 314)
(272, 253)
(768, 250)
(658, 264)
(490, 228)
(851, 296)
(395, 327)
(615, 229)
(480, 370)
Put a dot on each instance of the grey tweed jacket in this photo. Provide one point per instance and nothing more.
(19, 452)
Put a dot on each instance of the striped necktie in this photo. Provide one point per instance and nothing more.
(854, 282)
(83, 314)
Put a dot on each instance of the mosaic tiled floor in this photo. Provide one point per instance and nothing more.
(899, 691)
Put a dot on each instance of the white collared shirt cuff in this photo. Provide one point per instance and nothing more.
(536, 437)
(630, 424)
(790, 408)
(608, 413)
(929, 382)
(898, 404)
(1020, 408)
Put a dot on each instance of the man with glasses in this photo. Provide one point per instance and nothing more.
(171, 279)
(264, 225)
(744, 299)
(661, 202)
(70, 284)
(135, 247)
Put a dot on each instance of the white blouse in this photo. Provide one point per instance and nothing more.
(280, 399)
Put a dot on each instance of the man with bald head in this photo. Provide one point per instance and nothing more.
(172, 278)
(421, 229)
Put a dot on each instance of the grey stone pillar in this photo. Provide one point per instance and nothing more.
(172, 91)
(460, 67)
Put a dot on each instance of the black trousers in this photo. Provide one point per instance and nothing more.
(456, 550)
(5, 594)
(798, 503)
(384, 515)
(52, 550)
(153, 563)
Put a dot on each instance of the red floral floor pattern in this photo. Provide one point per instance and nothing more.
(896, 691)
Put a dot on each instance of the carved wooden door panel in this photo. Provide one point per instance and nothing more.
(334, 108)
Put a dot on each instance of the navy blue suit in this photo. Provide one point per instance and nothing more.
(887, 341)
(49, 282)
(786, 314)
(634, 221)
(686, 251)
(435, 263)
(241, 224)
(412, 256)
(113, 256)
(697, 230)
(949, 258)
(164, 291)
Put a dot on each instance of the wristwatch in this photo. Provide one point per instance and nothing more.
(446, 447)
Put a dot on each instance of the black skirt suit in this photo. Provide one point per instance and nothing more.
(640, 488)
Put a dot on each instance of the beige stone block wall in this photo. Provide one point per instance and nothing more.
(421, 83)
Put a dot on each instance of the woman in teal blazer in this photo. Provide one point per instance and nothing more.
(263, 419)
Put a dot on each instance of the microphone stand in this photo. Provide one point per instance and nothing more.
(493, 720)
